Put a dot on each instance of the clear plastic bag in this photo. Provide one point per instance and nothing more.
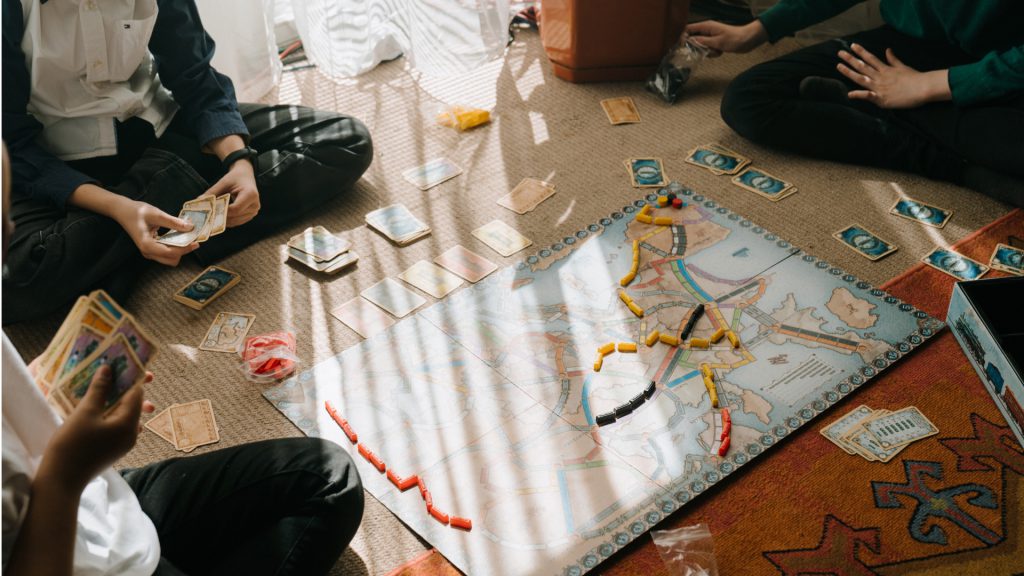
(676, 68)
(687, 551)
(269, 357)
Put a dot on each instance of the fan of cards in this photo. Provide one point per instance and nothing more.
(96, 332)
(878, 435)
(720, 160)
(186, 426)
(209, 217)
(269, 357)
(321, 251)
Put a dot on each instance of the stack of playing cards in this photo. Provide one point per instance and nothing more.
(878, 435)
(96, 332)
(209, 285)
(209, 217)
(398, 224)
(186, 426)
(718, 159)
(321, 251)
(1008, 259)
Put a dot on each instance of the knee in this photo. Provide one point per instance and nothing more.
(746, 104)
(343, 490)
(343, 142)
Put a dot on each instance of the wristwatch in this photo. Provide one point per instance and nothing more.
(247, 152)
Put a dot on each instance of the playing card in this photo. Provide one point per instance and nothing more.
(209, 285)
(900, 427)
(760, 182)
(127, 371)
(1008, 259)
(194, 425)
(527, 195)
(864, 242)
(836, 430)
(866, 445)
(956, 265)
(319, 243)
(227, 333)
(107, 304)
(219, 220)
(162, 426)
(466, 263)
(504, 239)
(717, 159)
(84, 344)
(142, 344)
(647, 172)
(621, 110)
(363, 317)
(198, 218)
(432, 173)
(431, 278)
(397, 223)
(393, 297)
(920, 212)
(203, 205)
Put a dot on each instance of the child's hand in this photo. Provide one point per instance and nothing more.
(141, 221)
(92, 439)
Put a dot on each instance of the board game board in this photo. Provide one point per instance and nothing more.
(490, 395)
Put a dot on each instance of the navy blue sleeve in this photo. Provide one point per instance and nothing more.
(35, 172)
(183, 50)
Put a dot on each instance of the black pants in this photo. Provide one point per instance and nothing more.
(939, 140)
(306, 157)
(287, 506)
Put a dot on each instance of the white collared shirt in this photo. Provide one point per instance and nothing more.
(114, 536)
(92, 66)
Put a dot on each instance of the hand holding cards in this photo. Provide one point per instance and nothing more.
(209, 217)
(97, 332)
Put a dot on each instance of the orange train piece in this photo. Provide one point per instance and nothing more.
(724, 448)
(439, 516)
(459, 522)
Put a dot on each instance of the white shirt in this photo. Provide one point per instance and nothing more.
(114, 535)
(92, 66)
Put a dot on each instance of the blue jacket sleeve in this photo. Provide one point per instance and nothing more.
(182, 50)
(35, 172)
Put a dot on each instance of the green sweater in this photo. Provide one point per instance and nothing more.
(990, 30)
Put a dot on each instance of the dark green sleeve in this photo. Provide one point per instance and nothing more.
(789, 16)
(995, 75)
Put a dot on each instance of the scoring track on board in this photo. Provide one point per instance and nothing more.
(490, 397)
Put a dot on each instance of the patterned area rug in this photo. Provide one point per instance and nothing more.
(950, 504)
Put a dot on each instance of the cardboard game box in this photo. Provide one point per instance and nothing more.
(987, 319)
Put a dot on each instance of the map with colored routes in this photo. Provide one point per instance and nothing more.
(490, 395)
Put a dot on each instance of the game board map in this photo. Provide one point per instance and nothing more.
(460, 393)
